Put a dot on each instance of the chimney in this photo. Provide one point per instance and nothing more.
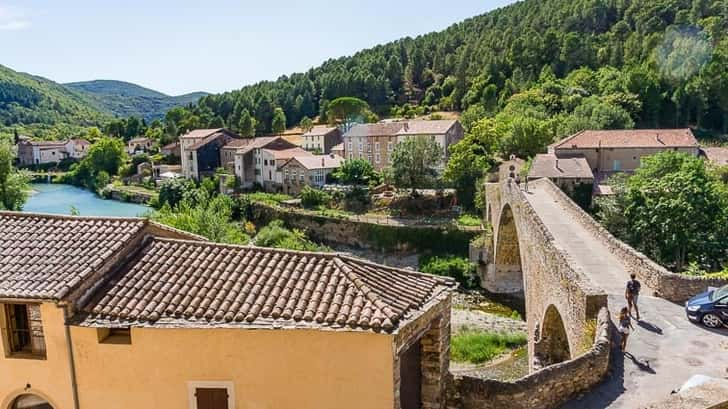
(557, 164)
(323, 162)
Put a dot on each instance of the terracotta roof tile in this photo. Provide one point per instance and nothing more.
(44, 256)
(629, 138)
(717, 156)
(199, 284)
(549, 166)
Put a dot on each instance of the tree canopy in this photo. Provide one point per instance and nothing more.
(14, 184)
(415, 162)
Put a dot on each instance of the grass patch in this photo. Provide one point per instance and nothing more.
(481, 346)
(268, 198)
(468, 220)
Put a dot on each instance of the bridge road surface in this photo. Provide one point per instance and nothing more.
(664, 350)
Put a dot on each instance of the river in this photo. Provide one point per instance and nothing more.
(59, 199)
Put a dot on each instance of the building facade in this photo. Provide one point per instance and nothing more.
(41, 152)
(321, 139)
(250, 167)
(313, 170)
(130, 330)
(200, 151)
(139, 145)
(376, 142)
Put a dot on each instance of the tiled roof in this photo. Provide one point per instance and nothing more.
(46, 144)
(200, 133)
(258, 142)
(550, 166)
(212, 137)
(339, 147)
(79, 141)
(717, 156)
(435, 127)
(320, 130)
(141, 139)
(318, 161)
(288, 153)
(44, 256)
(378, 129)
(237, 143)
(629, 138)
(176, 283)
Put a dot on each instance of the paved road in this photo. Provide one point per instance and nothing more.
(664, 350)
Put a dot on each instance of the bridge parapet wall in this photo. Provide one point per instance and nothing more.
(548, 388)
(665, 283)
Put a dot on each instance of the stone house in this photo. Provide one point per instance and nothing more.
(271, 176)
(375, 142)
(201, 151)
(32, 152)
(567, 172)
(308, 170)
(717, 156)
(139, 145)
(125, 313)
(171, 149)
(321, 139)
(248, 159)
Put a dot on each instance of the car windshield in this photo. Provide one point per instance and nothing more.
(719, 293)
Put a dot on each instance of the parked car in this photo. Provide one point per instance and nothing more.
(709, 308)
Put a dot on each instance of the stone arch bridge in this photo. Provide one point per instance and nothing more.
(524, 258)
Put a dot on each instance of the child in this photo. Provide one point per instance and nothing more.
(632, 294)
(625, 327)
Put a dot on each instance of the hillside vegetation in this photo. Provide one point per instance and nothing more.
(34, 104)
(643, 63)
(124, 99)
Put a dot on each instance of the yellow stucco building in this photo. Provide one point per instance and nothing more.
(124, 313)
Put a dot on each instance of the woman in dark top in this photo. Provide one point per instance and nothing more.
(625, 326)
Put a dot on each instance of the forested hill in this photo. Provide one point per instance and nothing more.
(648, 63)
(28, 100)
(125, 99)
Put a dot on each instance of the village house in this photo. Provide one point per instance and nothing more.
(717, 156)
(339, 150)
(121, 313)
(171, 149)
(376, 142)
(607, 152)
(200, 151)
(32, 152)
(271, 176)
(321, 139)
(227, 152)
(249, 164)
(308, 170)
(139, 145)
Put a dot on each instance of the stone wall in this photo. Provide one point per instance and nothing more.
(666, 284)
(548, 388)
(366, 235)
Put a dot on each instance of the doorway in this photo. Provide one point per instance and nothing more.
(410, 377)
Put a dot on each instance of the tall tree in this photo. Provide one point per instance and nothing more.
(278, 124)
(246, 126)
(415, 163)
(347, 111)
(14, 184)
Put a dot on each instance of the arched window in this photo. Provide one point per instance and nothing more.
(29, 401)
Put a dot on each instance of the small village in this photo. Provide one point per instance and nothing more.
(245, 206)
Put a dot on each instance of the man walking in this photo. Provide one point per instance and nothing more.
(632, 294)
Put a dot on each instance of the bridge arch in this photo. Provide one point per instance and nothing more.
(552, 346)
(506, 272)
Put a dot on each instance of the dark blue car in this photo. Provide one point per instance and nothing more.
(710, 308)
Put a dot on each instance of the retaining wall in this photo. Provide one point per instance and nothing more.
(550, 387)
(666, 284)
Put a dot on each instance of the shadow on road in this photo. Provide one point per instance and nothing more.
(642, 366)
(650, 327)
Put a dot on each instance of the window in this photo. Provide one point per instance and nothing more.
(390, 146)
(28, 401)
(351, 156)
(377, 158)
(211, 395)
(117, 336)
(351, 146)
(302, 175)
(24, 337)
(376, 146)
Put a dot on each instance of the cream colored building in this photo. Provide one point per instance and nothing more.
(124, 313)
(308, 170)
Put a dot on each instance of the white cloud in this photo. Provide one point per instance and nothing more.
(12, 19)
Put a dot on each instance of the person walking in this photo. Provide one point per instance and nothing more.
(625, 327)
(632, 294)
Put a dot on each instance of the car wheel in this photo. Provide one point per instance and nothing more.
(711, 320)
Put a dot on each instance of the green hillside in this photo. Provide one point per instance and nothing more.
(124, 99)
(662, 63)
(34, 104)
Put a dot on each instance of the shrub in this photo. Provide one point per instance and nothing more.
(102, 179)
(459, 268)
(312, 197)
(468, 220)
(481, 346)
(172, 191)
(357, 200)
(276, 235)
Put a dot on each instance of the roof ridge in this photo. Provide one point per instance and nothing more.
(564, 140)
(70, 217)
(441, 279)
(207, 242)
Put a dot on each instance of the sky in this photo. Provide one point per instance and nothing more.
(183, 46)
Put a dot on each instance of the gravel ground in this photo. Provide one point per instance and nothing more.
(474, 319)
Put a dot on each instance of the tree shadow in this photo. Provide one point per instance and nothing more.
(650, 327)
(643, 366)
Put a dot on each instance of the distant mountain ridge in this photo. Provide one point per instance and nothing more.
(123, 99)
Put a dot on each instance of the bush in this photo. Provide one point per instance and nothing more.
(276, 235)
(172, 191)
(469, 220)
(357, 200)
(459, 268)
(481, 346)
(312, 197)
(102, 179)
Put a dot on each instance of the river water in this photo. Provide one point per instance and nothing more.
(59, 199)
